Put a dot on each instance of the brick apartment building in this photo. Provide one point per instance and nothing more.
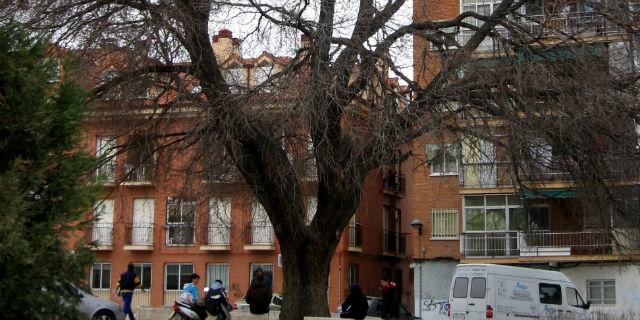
(472, 212)
(158, 215)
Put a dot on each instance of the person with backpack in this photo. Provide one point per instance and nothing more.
(217, 302)
(190, 289)
(356, 304)
(128, 282)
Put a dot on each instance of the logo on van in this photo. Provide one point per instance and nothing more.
(520, 286)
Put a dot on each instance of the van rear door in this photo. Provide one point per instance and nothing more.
(468, 298)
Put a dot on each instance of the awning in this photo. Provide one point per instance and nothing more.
(549, 194)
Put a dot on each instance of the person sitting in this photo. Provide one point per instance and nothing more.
(356, 305)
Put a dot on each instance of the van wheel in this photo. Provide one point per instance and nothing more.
(104, 315)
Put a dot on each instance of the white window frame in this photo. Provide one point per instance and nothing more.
(106, 146)
(507, 207)
(102, 264)
(225, 281)
(453, 235)
(142, 265)
(180, 265)
(181, 204)
(601, 286)
(445, 170)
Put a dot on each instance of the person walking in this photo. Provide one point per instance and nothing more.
(128, 282)
(356, 305)
(259, 294)
(390, 300)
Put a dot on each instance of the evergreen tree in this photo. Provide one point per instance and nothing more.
(44, 189)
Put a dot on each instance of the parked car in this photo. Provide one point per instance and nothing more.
(483, 291)
(95, 308)
(375, 309)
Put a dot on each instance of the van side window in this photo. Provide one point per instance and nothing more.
(478, 287)
(550, 293)
(572, 297)
(460, 287)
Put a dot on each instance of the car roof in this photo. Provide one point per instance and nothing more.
(514, 271)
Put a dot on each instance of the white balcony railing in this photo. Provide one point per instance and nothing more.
(535, 243)
(260, 233)
(218, 235)
(141, 234)
(102, 234)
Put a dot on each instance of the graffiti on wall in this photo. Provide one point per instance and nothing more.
(435, 309)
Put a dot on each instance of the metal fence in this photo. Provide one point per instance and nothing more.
(394, 242)
(141, 173)
(102, 234)
(259, 233)
(215, 234)
(139, 234)
(355, 235)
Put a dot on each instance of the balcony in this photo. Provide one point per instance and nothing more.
(215, 237)
(139, 174)
(355, 237)
(106, 173)
(259, 236)
(180, 234)
(574, 24)
(394, 184)
(102, 236)
(139, 237)
(536, 244)
(394, 244)
(500, 175)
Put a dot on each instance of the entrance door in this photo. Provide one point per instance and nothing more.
(142, 229)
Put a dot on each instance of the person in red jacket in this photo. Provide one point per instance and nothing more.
(390, 300)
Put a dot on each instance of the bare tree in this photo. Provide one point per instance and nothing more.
(539, 80)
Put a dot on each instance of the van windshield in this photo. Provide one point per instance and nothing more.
(478, 287)
(460, 287)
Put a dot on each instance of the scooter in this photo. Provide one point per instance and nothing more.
(185, 311)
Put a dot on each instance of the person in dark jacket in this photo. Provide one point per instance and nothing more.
(259, 294)
(128, 282)
(356, 305)
(390, 300)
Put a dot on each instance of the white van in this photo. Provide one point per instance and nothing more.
(487, 291)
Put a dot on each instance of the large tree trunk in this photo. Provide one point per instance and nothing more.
(306, 270)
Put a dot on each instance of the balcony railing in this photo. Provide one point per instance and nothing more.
(102, 234)
(394, 183)
(355, 235)
(215, 235)
(139, 234)
(535, 243)
(180, 234)
(489, 244)
(259, 233)
(144, 173)
(500, 174)
(106, 172)
(568, 24)
(394, 243)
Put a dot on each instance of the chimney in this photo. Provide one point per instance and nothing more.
(225, 45)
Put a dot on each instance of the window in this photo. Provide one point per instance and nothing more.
(267, 270)
(106, 153)
(181, 214)
(235, 78)
(263, 73)
(601, 291)
(443, 158)
(102, 231)
(354, 273)
(460, 287)
(550, 293)
(261, 228)
(478, 287)
(574, 299)
(491, 212)
(218, 271)
(312, 206)
(101, 276)
(479, 163)
(144, 273)
(444, 224)
(176, 275)
(483, 7)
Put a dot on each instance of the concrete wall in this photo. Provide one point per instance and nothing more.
(627, 279)
(432, 280)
